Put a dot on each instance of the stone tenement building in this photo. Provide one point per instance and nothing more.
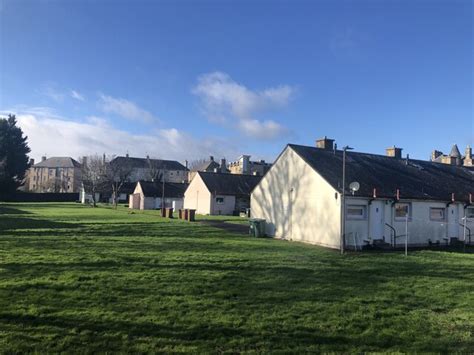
(55, 174)
(247, 167)
(454, 157)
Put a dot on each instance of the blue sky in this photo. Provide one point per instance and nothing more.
(187, 79)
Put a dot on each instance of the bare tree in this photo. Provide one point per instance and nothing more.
(155, 172)
(94, 175)
(117, 174)
(197, 163)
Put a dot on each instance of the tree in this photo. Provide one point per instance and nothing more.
(13, 155)
(94, 175)
(155, 172)
(117, 174)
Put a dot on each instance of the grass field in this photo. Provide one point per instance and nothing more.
(78, 279)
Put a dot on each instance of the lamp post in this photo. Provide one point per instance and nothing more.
(343, 198)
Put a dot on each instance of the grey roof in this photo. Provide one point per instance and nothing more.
(58, 162)
(229, 184)
(144, 163)
(155, 189)
(455, 152)
(209, 165)
(418, 179)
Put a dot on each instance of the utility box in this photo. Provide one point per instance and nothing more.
(257, 227)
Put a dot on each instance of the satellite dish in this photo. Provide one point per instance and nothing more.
(354, 186)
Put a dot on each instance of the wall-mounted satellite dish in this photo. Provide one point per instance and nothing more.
(354, 186)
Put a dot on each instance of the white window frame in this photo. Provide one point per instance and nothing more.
(360, 217)
(442, 219)
(399, 218)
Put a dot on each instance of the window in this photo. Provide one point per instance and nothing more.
(470, 212)
(356, 212)
(402, 210)
(220, 200)
(437, 213)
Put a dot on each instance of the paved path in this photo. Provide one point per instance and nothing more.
(228, 227)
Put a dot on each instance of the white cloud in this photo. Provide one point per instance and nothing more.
(224, 99)
(262, 129)
(49, 90)
(76, 95)
(58, 136)
(124, 108)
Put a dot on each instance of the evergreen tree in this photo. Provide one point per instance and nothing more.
(13, 155)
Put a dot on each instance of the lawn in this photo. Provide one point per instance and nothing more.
(78, 279)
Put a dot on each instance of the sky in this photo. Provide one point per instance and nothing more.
(187, 79)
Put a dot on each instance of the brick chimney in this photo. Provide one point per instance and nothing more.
(32, 162)
(394, 152)
(43, 158)
(325, 143)
(223, 165)
(211, 158)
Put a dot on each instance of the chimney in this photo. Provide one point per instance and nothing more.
(84, 160)
(186, 164)
(435, 154)
(245, 162)
(211, 158)
(32, 162)
(468, 159)
(126, 155)
(394, 152)
(223, 166)
(325, 143)
(43, 158)
(148, 157)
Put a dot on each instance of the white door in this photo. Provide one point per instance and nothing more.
(453, 222)
(376, 216)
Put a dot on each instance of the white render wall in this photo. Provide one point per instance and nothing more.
(421, 229)
(226, 208)
(297, 203)
(197, 196)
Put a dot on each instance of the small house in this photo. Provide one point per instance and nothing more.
(300, 198)
(219, 193)
(149, 195)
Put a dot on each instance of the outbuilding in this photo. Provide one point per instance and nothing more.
(219, 193)
(300, 198)
(148, 195)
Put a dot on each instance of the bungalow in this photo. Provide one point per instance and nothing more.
(219, 193)
(300, 198)
(148, 195)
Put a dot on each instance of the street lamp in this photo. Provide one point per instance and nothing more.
(343, 197)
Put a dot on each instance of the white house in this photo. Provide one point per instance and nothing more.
(148, 195)
(219, 193)
(300, 198)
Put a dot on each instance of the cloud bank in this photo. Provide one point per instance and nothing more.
(124, 108)
(58, 136)
(224, 100)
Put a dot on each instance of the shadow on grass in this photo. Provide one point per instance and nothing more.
(4, 210)
(27, 226)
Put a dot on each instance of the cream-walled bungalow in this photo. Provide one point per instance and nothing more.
(219, 193)
(149, 195)
(300, 198)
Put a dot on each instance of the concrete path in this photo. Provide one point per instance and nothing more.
(228, 227)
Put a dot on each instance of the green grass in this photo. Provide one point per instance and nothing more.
(78, 279)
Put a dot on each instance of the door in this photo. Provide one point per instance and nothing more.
(453, 220)
(377, 222)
